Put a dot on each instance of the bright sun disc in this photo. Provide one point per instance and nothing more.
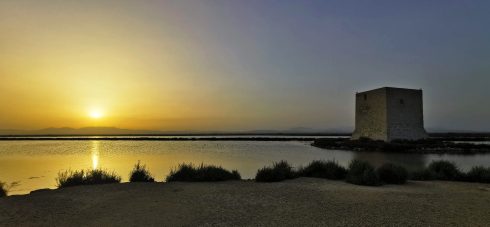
(95, 114)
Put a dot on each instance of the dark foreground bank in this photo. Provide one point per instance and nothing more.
(299, 202)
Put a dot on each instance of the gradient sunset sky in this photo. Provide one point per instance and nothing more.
(238, 65)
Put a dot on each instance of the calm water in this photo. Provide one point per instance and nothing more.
(35, 164)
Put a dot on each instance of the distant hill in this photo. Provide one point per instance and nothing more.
(119, 131)
(78, 131)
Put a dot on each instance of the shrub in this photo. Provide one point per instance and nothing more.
(422, 175)
(323, 169)
(3, 190)
(479, 174)
(444, 170)
(362, 173)
(188, 172)
(392, 174)
(140, 174)
(278, 172)
(89, 177)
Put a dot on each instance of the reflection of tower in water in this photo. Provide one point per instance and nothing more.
(95, 154)
(409, 161)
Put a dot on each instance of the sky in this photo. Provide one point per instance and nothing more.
(238, 65)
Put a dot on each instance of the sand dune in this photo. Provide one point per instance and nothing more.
(300, 202)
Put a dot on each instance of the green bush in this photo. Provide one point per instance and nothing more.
(188, 172)
(3, 190)
(478, 174)
(444, 170)
(278, 172)
(392, 174)
(89, 177)
(362, 173)
(140, 174)
(323, 169)
(422, 175)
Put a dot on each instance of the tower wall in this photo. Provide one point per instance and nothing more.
(371, 114)
(405, 114)
(389, 114)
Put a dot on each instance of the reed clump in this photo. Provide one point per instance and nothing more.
(191, 173)
(86, 177)
(392, 174)
(323, 169)
(362, 173)
(140, 174)
(448, 171)
(3, 189)
(279, 171)
(478, 174)
(445, 170)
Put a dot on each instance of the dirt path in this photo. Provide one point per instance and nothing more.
(304, 201)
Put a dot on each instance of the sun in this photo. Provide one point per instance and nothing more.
(95, 114)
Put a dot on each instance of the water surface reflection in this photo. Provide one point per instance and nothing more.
(36, 163)
(95, 154)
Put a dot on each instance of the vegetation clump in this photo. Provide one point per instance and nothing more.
(362, 173)
(478, 174)
(188, 172)
(392, 174)
(3, 190)
(140, 174)
(323, 169)
(279, 171)
(89, 177)
(444, 170)
(422, 175)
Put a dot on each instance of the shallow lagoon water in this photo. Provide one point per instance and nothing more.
(32, 165)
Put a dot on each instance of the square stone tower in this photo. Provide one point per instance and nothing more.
(389, 114)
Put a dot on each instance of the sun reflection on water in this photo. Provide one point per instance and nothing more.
(95, 154)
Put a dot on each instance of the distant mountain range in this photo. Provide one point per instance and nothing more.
(119, 131)
(77, 131)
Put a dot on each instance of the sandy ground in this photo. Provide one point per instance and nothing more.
(300, 202)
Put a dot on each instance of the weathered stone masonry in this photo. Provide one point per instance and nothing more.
(389, 114)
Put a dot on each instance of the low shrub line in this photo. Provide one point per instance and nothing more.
(358, 172)
(140, 173)
(363, 173)
(444, 170)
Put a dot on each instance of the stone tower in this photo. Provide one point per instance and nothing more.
(389, 114)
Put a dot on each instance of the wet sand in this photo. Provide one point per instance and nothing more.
(299, 202)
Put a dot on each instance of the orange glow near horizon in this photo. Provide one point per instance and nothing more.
(57, 60)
